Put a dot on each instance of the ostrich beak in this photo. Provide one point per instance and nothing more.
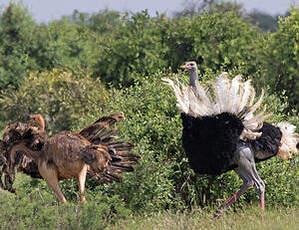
(185, 67)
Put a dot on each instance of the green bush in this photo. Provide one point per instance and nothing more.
(134, 49)
(218, 41)
(280, 62)
(63, 43)
(16, 29)
(118, 48)
(28, 46)
(63, 96)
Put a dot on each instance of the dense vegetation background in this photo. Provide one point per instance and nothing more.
(84, 66)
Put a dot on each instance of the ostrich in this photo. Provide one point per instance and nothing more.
(222, 133)
(22, 163)
(68, 155)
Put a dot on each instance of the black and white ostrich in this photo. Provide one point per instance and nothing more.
(222, 133)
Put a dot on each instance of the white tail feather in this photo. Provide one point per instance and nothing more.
(247, 91)
(251, 109)
(221, 89)
(288, 141)
(234, 93)
(232, 96)
(180, 93)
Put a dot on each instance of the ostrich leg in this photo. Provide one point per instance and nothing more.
(247, 184)
(248, 173)
(260, 185)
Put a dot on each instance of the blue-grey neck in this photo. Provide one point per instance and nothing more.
(193, 77)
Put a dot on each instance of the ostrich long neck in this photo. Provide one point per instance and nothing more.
(34, 155)
(193, 78)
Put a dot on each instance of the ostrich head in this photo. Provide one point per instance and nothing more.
(192, 67)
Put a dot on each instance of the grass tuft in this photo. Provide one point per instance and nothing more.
(248, 219)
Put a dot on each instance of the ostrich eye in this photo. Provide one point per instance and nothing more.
(191, 64)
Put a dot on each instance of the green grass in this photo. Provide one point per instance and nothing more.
(34, 206)
(41, 211)
(249, 218)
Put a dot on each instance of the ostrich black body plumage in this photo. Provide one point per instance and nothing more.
(210, 142)
(268, 144)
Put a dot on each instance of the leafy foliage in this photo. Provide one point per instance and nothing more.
(217, 42)
(16, 28)
(120, 47)
(63, 96)
(135, 49)
(264, 21)
(280, 61)
(103, 21)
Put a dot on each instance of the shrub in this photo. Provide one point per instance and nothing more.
(63, 96)
(134, 49)
(218, 41)
(280, 59)
(16, 29)
(143, 45)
